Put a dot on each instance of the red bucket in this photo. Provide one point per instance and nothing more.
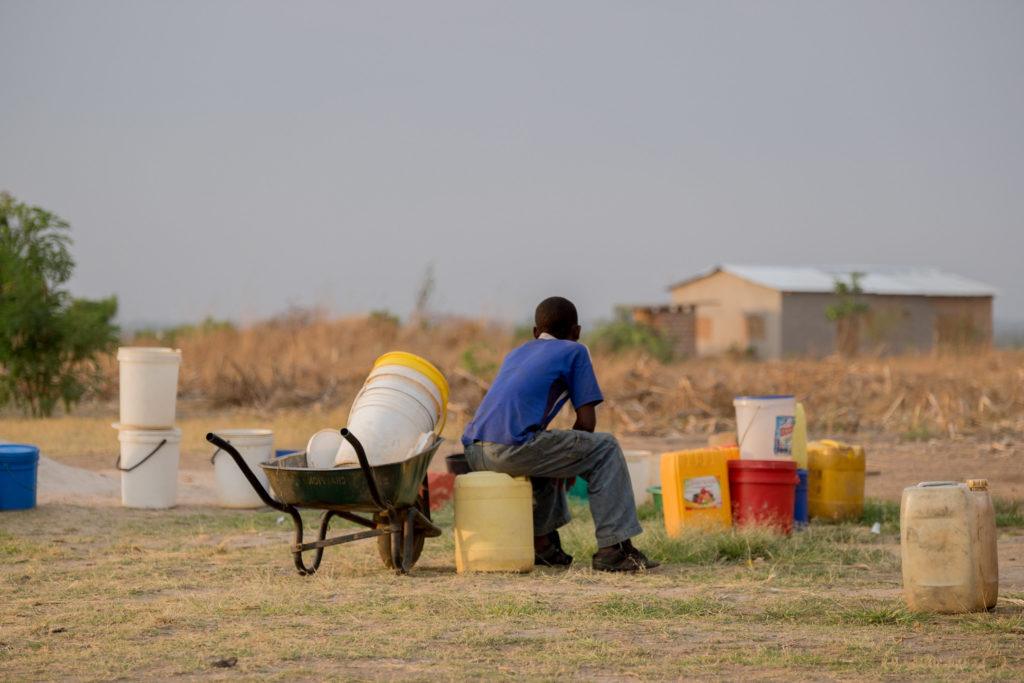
(763, 492)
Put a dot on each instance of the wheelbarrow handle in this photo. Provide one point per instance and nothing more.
(244, 466)
(364, 465)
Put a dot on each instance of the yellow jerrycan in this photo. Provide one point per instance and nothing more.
(695, 488)
(948, 547)
(835, 480)
(493, 523)
(800, 437)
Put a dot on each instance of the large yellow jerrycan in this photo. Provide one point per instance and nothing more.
(493, 523)
(695, 488)
(835, 480)
(948, 546)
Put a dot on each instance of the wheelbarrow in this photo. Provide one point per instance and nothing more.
(396, 495)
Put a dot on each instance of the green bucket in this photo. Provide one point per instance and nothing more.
(579, 489)
(655, 492)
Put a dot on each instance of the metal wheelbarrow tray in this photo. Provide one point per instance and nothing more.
(397, 495)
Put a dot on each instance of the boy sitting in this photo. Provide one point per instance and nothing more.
(508, 435)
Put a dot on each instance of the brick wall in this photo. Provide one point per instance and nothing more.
(676, 323)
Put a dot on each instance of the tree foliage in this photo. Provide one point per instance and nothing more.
(847, 312)
(624, 334)
(49, 341)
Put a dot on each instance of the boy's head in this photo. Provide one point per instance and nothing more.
(556, 315)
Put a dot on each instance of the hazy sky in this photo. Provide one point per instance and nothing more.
(235, 158)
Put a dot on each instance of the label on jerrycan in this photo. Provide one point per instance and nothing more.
(700, 493)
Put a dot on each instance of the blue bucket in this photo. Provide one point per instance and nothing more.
(800, 512)
(18, 466)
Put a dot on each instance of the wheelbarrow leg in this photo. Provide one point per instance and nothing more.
(408, 537)
(396, 542)
(319, 553)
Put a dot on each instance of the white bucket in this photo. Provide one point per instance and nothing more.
(392, 398)
(322, 448)
(429, 400)
(388, 375)
(151, 456)
(764, 426)
(641, 466)
(388, 424)
(149, 386)
(255, 446)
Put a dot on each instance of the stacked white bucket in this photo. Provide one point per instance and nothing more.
(402, 404)
(150, 443)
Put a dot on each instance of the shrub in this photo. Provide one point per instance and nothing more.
(622, 335)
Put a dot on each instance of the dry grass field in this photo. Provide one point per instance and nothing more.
(309, 361)
(97, 592)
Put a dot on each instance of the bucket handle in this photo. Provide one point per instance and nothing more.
(117, 463)
(741, 439)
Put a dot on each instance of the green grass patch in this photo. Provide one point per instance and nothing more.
(654, 607)
(1009, 513)
(884, 512)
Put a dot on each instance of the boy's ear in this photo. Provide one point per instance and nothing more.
(536, 332)
(575, 334)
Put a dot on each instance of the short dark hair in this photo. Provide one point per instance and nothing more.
(557, 316)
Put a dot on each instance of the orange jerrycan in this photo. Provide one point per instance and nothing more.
(695, 488)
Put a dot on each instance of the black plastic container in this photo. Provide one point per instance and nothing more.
(457, 464)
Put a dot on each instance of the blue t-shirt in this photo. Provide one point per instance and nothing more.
(533, 384)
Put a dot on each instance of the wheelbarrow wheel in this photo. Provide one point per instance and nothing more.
(419, 536)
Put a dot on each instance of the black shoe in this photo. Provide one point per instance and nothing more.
(622, 557)
(552, 555)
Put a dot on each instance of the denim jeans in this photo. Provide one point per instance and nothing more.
(560, 454)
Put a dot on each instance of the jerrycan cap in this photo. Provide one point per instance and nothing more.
(977, 484)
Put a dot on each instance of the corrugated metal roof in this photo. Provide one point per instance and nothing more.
(891, 280)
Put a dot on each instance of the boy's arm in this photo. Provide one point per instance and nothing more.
(586, 418)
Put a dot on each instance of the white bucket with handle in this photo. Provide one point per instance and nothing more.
(404, 397)
(149, 467)
(148, 386)
(255, 446)
(764, 426)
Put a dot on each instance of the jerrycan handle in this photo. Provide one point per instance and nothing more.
(925, 484)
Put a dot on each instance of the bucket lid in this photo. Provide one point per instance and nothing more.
(18, 452)
(149, 354)
(773, 397)
(242, 433)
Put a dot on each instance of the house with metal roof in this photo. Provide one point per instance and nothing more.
(780, 311)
